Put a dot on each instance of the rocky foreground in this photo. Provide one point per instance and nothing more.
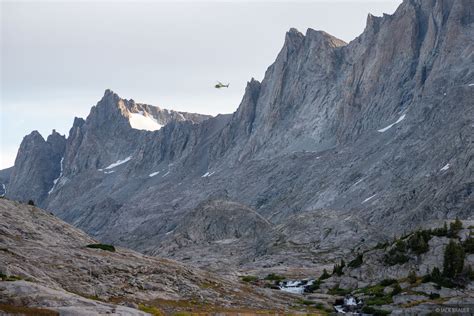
(46, 267)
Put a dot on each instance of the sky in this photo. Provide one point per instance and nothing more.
(58, 57)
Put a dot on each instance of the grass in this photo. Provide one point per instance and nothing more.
(375, 311)
(102, 246)
(375, 290)
(4, 277)
(150, 310)
(380, 300)
(338, 291)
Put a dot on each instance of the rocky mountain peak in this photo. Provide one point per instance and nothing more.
(324, 39)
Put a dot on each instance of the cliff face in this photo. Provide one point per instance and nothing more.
(37, 165)
(342, 143)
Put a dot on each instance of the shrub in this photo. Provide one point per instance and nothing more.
(375, 290)
(274, 277)
(426, 278)
(338, 268)
(31, 202)
(400, 245)
(418, 243)
(313, 287)
(453, 259)
(102, 246)
(381, 245)
(338, 291)
(434, 296)
(440, 232)
(375, 311)
(454, 228)
(4, 277)
(436, 275)
(380, 300)
(468, 244)
(325, 275)
(412, 277)
(249, 278)
(397, 289)
(394, 257)
(357, 262)
(388, 282)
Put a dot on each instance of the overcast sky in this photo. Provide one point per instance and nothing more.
(58, 57)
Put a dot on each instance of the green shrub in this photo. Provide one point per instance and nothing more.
(338, 268)
(468, 244)
(426, 278)
(4, 277)
(357, 262)
(325, 275)
(454, 228)
(400, 245)
(440, 232)
(274, 277)
(375, 311)
(397, 289)
(381, 245)
(338, 291)
(453, 259)
(394, 257)
(388, 282)
(380, 300)
(249, 278)
(102, 246)
(418, 243)
(313, 287)
(412, 277)
(436, 275)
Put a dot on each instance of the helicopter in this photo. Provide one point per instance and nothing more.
(221, 85)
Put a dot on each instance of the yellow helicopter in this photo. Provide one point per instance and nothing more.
(221, 85)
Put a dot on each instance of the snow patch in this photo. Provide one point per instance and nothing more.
(117, 163)
(109, 172)
(207, 174)
(401, 118)
(446, 167)
(471, 85)
(166, 174)
(359, 181)
(369, 198)
(226, 241)
(153, 174)
(143, 121)
(4, 190)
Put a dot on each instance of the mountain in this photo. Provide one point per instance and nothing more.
(340, 146)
